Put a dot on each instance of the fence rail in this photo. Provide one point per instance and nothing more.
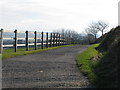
(43, 39)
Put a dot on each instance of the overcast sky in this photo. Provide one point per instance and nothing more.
(49, 15)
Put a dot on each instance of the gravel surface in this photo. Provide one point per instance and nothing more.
(53, 68)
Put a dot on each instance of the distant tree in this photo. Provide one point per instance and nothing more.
(70, 35)
(92, 30)
(101, 26)
(90, 38)
(95, 27)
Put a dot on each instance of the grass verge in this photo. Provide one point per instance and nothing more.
(100, 68)
(9, 53)
(85, 64)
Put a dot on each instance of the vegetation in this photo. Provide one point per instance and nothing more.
(108, 67)
(95, 27)
(9, 53)
(101, 63)
(85, 64)
(110, 40)
(0, 56)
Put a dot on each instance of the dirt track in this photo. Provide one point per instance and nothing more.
(54, 68)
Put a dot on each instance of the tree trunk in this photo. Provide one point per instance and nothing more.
(95, 37)
(102, 33)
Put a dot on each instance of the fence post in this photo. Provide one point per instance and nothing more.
(27, 46)
(58, 39)
(15, 43)
(42, 41)
(35, 40)
(1, 41)
(54, 40)
(47, 40)
(67, 40)
(51, 40)
(63, 40)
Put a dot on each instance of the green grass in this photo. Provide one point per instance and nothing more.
(100, 68)
(107, 69)
(85, 64)
(9, 53)
(100, 63)
(0, 56)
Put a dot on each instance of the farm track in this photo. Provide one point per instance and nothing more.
(54, 68)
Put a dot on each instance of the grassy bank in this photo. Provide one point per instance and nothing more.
(9, 53)
(85, 64)
(0, 56)
(101, 68)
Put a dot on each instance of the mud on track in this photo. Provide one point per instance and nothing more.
(53, 68)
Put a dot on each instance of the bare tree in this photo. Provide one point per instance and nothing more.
(101, 26)
(92, 30)
(95, 27)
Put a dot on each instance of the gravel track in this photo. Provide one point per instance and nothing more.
(54, 68)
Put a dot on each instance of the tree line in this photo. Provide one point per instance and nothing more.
(88, 37)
